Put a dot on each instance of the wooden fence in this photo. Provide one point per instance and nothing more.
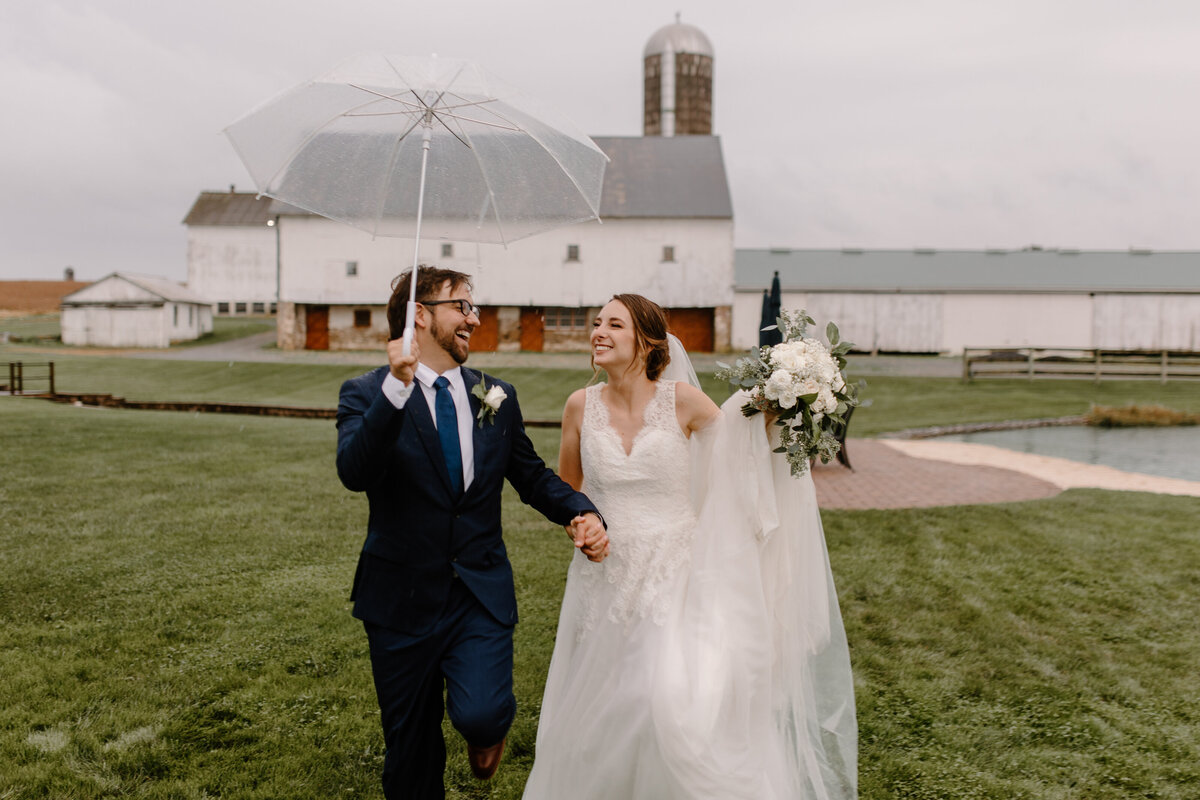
(1065, 362)
(35, 379)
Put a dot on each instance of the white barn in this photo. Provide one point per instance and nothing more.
(124, 310)
(666, 232)
(231, 252)
(942, 301)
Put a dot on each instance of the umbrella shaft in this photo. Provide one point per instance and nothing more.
(412, 285)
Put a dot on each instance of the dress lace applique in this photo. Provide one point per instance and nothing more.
(644, 496)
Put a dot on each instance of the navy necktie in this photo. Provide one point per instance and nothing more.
(447, 425)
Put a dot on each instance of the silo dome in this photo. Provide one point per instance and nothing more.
(681, 37)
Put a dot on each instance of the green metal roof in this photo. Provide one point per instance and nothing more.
(929, 270)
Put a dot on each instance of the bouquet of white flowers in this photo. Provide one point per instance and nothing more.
(800, 381)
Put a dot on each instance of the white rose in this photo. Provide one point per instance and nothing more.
(494, 397)
(838, 382)
(809, 386)
(787, 356)
(781, 389)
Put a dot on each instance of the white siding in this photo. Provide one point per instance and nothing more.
(946, 323)
(1017, 320)
(234, 264)
(906, 323)
(101, 326)
(1147, 322)
(618, 256)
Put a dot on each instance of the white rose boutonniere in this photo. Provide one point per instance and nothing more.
(490, 398)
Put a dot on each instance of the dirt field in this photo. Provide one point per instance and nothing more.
(26, 297)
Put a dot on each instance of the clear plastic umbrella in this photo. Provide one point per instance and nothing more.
(410, 146)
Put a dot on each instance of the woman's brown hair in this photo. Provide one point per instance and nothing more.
(649, 332)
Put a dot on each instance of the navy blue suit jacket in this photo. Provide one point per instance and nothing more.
(420, 534)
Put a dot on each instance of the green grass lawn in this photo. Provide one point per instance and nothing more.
(174, 624)
(227, 329)
(47, 326)
(896, 402)
(32, 326)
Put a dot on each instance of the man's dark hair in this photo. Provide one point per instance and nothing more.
(430, 281)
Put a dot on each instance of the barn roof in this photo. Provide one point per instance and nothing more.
(929, 270)
(650, 177)
(129, 289)
(229, 209)
(664, 176)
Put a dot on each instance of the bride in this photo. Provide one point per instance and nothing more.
(705, 656)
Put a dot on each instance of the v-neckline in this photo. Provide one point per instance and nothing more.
(608, 423)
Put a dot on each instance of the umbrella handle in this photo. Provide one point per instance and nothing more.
(408, 327)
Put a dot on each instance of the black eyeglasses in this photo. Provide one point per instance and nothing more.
(464, 306)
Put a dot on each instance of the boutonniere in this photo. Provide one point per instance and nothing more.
(490, 399)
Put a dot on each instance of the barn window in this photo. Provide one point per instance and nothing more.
(239, 308)
(222, 308)
(362, 317)
(259, 308)
(447, 250)
(668, 252)
(566, 319)
(351, 269)
(572, 252)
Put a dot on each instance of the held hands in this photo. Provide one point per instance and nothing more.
(403, 367)
(590, 537)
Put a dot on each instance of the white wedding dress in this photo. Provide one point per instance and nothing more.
(705, 657)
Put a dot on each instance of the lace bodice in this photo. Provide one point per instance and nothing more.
(645, 498)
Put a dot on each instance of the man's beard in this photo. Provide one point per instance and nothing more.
(447, 339)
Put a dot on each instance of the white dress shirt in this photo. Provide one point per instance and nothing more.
(397, 393)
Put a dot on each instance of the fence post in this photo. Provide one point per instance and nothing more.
(1098, 369)
(1164, 366)
(1031, 363)
(966, 366)
(52, 392)
(12, 378)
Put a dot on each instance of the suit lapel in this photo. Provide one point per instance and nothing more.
(427, 431)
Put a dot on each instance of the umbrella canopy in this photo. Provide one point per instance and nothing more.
(358, 143)
(772, 305)
(350, 145)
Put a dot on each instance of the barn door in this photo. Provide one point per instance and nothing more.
(316, 325)
(693, 326)
(533, 330)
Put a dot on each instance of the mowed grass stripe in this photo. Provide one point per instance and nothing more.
(174, 623)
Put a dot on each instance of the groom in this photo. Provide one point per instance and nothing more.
(434, 587)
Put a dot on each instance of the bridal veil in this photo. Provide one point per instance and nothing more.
(753, 695)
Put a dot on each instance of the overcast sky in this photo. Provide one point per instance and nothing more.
(873, 123)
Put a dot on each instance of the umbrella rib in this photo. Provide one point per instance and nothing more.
(491, 194)
(285, 163)
(438, 110)
(574, 181)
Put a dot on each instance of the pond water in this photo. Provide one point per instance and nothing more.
(1167, 452)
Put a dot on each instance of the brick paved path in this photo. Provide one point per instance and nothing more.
(886, 478)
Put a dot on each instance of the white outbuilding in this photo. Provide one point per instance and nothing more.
(126, 310)
(942, 301)
(232, 257)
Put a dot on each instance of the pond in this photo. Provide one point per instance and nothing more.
(1172, 452)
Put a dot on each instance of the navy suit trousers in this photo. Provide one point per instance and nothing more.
(471, 655)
